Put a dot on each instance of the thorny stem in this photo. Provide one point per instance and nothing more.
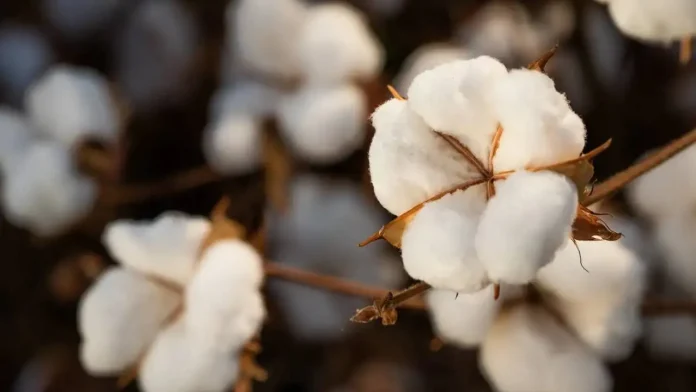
(620, 179)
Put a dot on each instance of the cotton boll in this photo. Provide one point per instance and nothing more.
(15, 138)
(527, 350)
(43, 193)
(425, 58)
(175, 363)
(648, 20)
(118, 317)
(156, 52)
(462, 319)
(70, 103)
(671, 337)
(233, 144)
(265, 34)
(408, 162)
(224, 308)
(24, 55)
(674, 236)
(324, 125)
(438, 245)
(79, 18)
(336, 46)
(166, 247)
(454, 98)
(537, 131)
(524, 224)
(246, 97)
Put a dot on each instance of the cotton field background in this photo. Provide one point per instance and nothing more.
(185, 185)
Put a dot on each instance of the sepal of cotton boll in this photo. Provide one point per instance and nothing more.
(527, 350)
(15, 138)
(408, 162)
(263, 31)
(70, 104)
(537, 131)
(166, 247)
(425, 58)
(44, 193)
(671, 337)
(453, 98)
(233, 144)
(323, 125)
(224, 307)
(674, 237)
(156, 52)
(654, 21)
(251, 98)
(79, 18)
(336, 45)
(118, 317)
(524, 224)
(24, 55)
(438, 245)
(176, 363)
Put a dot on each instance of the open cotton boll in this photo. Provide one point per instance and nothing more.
(424, 58)
(156, 52)
(536, 132)
(671, 337)
(438, 245)
(251, 98)
(44, 193)
(408, 162)
(527, 350)
(324, 125)
(15, 138)
(654, 21)
(175, 363)
(462, 319)
(118, 318)
(24, 55)
(70, 103)
(233, 144)
(79, 19)
(166, 247)
(524, 224)
(264, 31)
(454, 98)
(336, 45)
(674, 236)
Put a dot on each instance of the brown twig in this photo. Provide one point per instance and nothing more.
(658, 307)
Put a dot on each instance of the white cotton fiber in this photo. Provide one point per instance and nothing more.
(247, 97)
(44, 193)
(119, 317)
(265, 34)
(166, 247)
(671, 337)
(15, 138)
(675, 239)
(527, 350)
(224, 307)
(438, 245)
(424, 58)
(462, 319)
(233, 144)
(324, 125)
(654, 21)
(454, 98)
(175, 363)
(336, 46)
(69, 104)
(24, 54)
(524, 224)
(536, 132)
(80, 19)
(408, 162)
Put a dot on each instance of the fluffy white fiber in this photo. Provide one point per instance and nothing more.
(43, 192)
(424, 58)
(233, 144)
(671, 337)
(69, 103)
(662, 21)
(524, 224)
(438, 245)
(527, 350)
(335, 45)
(24, 54)
(166, 247)
(323, 125)
(15, 138)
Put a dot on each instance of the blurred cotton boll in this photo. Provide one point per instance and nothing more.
(15, 138)
(320, 233)
(233, 144)
(78, 19)
(647, 20)
(156, 52)
(24, 55)
(424, 58)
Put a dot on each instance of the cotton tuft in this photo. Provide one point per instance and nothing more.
(233, 144)
(662, 21)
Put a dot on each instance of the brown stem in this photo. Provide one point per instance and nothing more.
(403, 296)
(619, 180)
(685, 51)
(657, 307)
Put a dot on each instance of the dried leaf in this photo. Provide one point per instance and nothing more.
(366, 315)
(389, 316)
(588, 227)
(540, 63)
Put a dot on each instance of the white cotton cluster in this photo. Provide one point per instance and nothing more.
(468, 244)
(325, 220)
(24, 54)
(648, 20)
(42, 188)
(424, 58)
(181, 318)
(155, 54)
(80, 19)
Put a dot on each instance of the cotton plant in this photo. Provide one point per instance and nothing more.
(318, 233)
(178, 308)
(42, 188)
